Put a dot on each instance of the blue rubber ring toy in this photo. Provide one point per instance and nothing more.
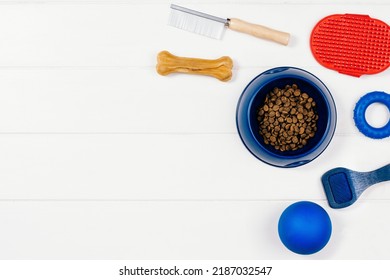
(360, 111)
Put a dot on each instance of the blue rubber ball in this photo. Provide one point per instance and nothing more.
(304, 227)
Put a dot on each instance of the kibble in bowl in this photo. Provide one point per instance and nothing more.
(286, 117)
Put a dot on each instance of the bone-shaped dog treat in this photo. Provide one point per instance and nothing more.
(220, 68)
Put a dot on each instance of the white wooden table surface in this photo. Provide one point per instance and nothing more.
(102, 158)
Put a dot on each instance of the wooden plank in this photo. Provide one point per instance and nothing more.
(167, 167)
(111, 35)
(203, 2)
(179, 230)
(138, 100)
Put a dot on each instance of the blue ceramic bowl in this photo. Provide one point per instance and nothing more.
(253, 98)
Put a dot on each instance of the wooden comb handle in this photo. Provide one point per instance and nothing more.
(220, 68)
(259, 31)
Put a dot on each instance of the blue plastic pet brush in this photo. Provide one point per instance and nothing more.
(344, 186)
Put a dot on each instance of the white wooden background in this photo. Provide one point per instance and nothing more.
(101, 158)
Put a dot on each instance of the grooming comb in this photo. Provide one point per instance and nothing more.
(351, 44)
(214, 27)
(344, 186)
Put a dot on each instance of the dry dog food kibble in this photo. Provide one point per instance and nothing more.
(288, 118)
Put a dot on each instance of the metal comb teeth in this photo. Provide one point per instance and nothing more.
(197, 22)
